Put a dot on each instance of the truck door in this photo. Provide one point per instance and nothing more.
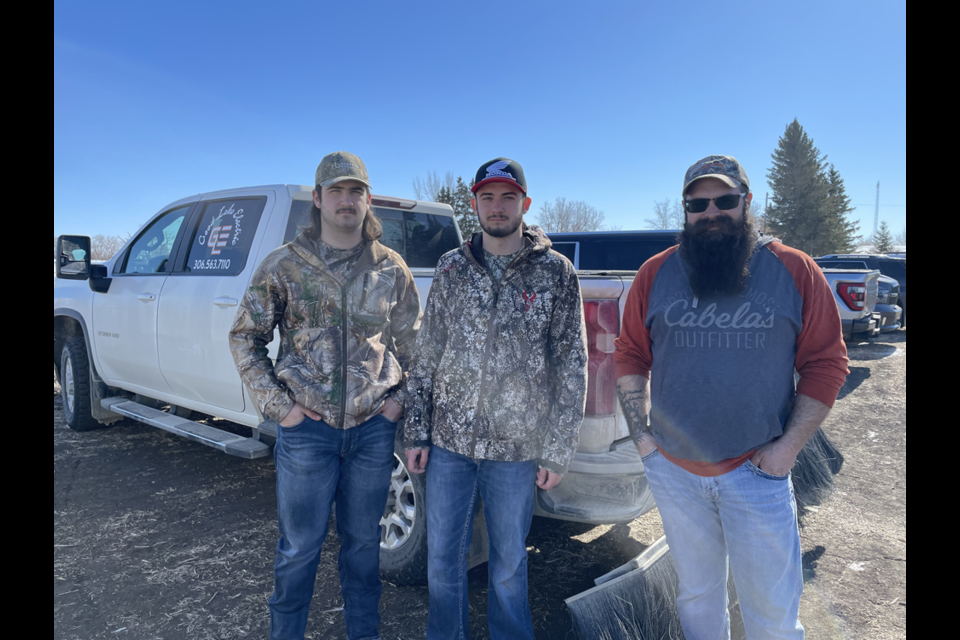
(200, 300)
(125, 318)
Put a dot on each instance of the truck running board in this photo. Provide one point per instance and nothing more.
(225, 441)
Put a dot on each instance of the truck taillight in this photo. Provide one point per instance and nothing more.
(854, 295)
(602, 318)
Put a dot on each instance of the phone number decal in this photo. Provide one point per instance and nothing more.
(210, 265)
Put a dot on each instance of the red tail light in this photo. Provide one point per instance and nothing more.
(603, 326)
(854, 295)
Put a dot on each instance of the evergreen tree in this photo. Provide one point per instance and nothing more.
(883, 239)
(799, 213)
(445, 196)
(466, 218)
(843, 232)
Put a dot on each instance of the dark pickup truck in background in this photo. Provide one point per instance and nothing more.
(889, 266)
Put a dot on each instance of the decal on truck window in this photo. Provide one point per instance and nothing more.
(220, 228)
(223, 238)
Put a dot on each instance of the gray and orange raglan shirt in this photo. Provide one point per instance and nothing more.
(721, 368)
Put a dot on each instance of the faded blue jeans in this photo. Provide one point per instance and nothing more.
(454, 483)
(745, 521)
(318, 465)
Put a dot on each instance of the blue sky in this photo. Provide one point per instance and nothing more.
(607, 103)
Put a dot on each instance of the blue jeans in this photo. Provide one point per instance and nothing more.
(454, 483)
(745, 520)
(318, 465)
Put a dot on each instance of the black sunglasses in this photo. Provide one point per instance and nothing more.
(724, 203)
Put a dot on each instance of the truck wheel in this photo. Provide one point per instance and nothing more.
(75, 385)
(403, 529)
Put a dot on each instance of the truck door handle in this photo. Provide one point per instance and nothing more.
(223, 303)
(147, 297)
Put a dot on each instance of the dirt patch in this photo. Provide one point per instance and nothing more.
(157, 537)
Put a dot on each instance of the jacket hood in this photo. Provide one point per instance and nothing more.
(535, 239)
(374, 253)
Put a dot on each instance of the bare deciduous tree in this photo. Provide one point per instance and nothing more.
(105, 247)
(562, 216)
(901, 238)
(429, 188)
(667, 215)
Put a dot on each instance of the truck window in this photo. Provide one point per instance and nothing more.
(151, 250)
(621, 255)
(418, 237)
(299, 218)
(894, 269)
(393, 235)
(221, 241)
(427, 238)
(567, 249)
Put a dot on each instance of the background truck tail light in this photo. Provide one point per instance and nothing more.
(603, 326)
(854, 295)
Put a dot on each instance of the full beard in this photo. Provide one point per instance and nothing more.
(507, 229)
(718, 259)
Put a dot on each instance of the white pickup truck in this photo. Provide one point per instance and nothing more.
(144, 336)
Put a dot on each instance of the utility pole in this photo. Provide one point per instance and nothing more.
(876, 212)
(766, 203)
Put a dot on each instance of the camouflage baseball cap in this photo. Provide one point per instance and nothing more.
(340, 166)
(724, 168)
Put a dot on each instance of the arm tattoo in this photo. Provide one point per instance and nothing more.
(635, 400)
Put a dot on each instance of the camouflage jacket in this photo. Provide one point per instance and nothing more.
(500, 368)
(345, 343)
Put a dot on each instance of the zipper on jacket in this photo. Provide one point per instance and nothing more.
(488, 346)
(343, 356)
(343, 346)
(481, 396)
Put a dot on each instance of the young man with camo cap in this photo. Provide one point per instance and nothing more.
(495, 399)
(348, 313)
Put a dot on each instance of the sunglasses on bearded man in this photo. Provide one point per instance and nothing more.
(724, 203)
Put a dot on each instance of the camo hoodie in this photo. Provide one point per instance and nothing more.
(500, 368)
(345, 342)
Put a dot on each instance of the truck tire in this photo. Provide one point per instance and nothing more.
(403, 529)
(75, 385)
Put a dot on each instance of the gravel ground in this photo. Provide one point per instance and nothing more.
(159, 538)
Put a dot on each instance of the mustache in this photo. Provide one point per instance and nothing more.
(346, 210)
(726, 226)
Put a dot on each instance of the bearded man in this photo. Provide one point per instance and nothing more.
(495, 399)
(718, 325)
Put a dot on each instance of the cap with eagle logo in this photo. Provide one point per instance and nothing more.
(500, 170)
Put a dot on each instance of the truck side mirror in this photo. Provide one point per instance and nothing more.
(99, 279)
(73, 257)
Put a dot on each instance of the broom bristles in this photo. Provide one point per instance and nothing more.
(818, 462)
(640, 607)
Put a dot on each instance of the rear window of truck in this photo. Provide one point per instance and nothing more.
(421, 238)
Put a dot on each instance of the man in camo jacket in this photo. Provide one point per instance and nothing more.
(495, 399)
(348, 313)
